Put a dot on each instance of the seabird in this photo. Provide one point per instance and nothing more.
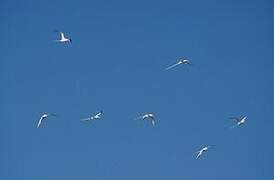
(181, 61)
(94, 117)
(201, 151)
(148, 116)
(44, 116)
(63, 38)
(239, 121)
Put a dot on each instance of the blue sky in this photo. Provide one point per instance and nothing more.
(116, 64)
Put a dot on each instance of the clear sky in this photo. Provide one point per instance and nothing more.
(116, 64)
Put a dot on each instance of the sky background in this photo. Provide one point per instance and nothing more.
(116, 64)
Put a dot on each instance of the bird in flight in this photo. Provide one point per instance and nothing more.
(94, 117)
(148, 116)
(201, 151)
(239, 121)
(180, 61)
(44, 116)
(63, 38)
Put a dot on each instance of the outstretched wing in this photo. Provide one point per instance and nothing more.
(99, 113)
(39, 122)
(86, 119)
(62, 35)
(153, 122)
(172, 66)
(198, 154)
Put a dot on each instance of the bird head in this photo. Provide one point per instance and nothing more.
(185, 61)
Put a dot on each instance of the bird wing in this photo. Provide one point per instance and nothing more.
(62, 35)
(99, 113)
(86, 119)
(198, 154)
(39, 122)
(172, 66)
(244, 118)
(153, 122)
(145, 116)
(187, 62)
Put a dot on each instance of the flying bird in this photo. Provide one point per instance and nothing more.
(44, 116)
(181, 61)
(63, 38)
(148, 116)
(201, 151)
(239, 121)
(94, 117)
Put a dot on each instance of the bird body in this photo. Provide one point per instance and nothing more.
(183, 61)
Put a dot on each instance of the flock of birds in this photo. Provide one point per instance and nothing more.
(146, 116)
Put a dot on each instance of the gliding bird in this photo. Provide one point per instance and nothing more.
(182, 61)
(148, 116)
(94, 117)
(200, 152)
(63, 38)
(239, 121)
(44, 116)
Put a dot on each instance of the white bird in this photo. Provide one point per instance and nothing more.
(201, 151)
(94, 117)
(181, 61)
(239, 121)
(148, 116)
(63, 38)
(44, 116)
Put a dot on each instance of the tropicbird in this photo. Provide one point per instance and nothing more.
(181, 61)
(94, 117)
(239, 121)
(148, 116)
(44, 116)
(201, 151)
(63, 38)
